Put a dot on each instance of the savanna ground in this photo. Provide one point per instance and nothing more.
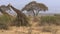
(41, 25)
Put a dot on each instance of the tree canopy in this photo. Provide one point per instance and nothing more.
(35, 7)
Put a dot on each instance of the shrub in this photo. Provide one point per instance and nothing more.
(56, 14)
(4, 22)
(18, 23)
(5, 19)
(49, 20)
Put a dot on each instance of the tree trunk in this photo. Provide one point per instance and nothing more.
(34, 13)
(37, 13)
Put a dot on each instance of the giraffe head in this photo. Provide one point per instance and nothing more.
(9, 5)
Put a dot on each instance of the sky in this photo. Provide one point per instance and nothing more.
(53, 5)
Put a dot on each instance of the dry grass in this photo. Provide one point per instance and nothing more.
(33, 29)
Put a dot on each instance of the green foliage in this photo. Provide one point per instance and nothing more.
(21, 22)
(4, 19)
(34, 6)
(4, 22)
(50, 20)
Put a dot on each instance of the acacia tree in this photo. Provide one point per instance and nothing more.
(40, 7)
(35, 7)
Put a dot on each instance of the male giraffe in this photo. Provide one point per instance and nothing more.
(21, 17)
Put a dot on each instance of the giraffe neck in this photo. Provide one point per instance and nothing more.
(19, 13)
(16, 10)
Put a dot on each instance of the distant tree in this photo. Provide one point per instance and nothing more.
(35, 7)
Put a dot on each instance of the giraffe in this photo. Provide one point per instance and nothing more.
(21, 17)
(3, 10)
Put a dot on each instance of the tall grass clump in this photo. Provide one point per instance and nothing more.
(4, 21)
(49, 20)
(18, 23)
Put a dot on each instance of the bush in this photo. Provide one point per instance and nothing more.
(4, 22)
(5, 19)
(56, 14)
(19, 23)
(49, 20)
